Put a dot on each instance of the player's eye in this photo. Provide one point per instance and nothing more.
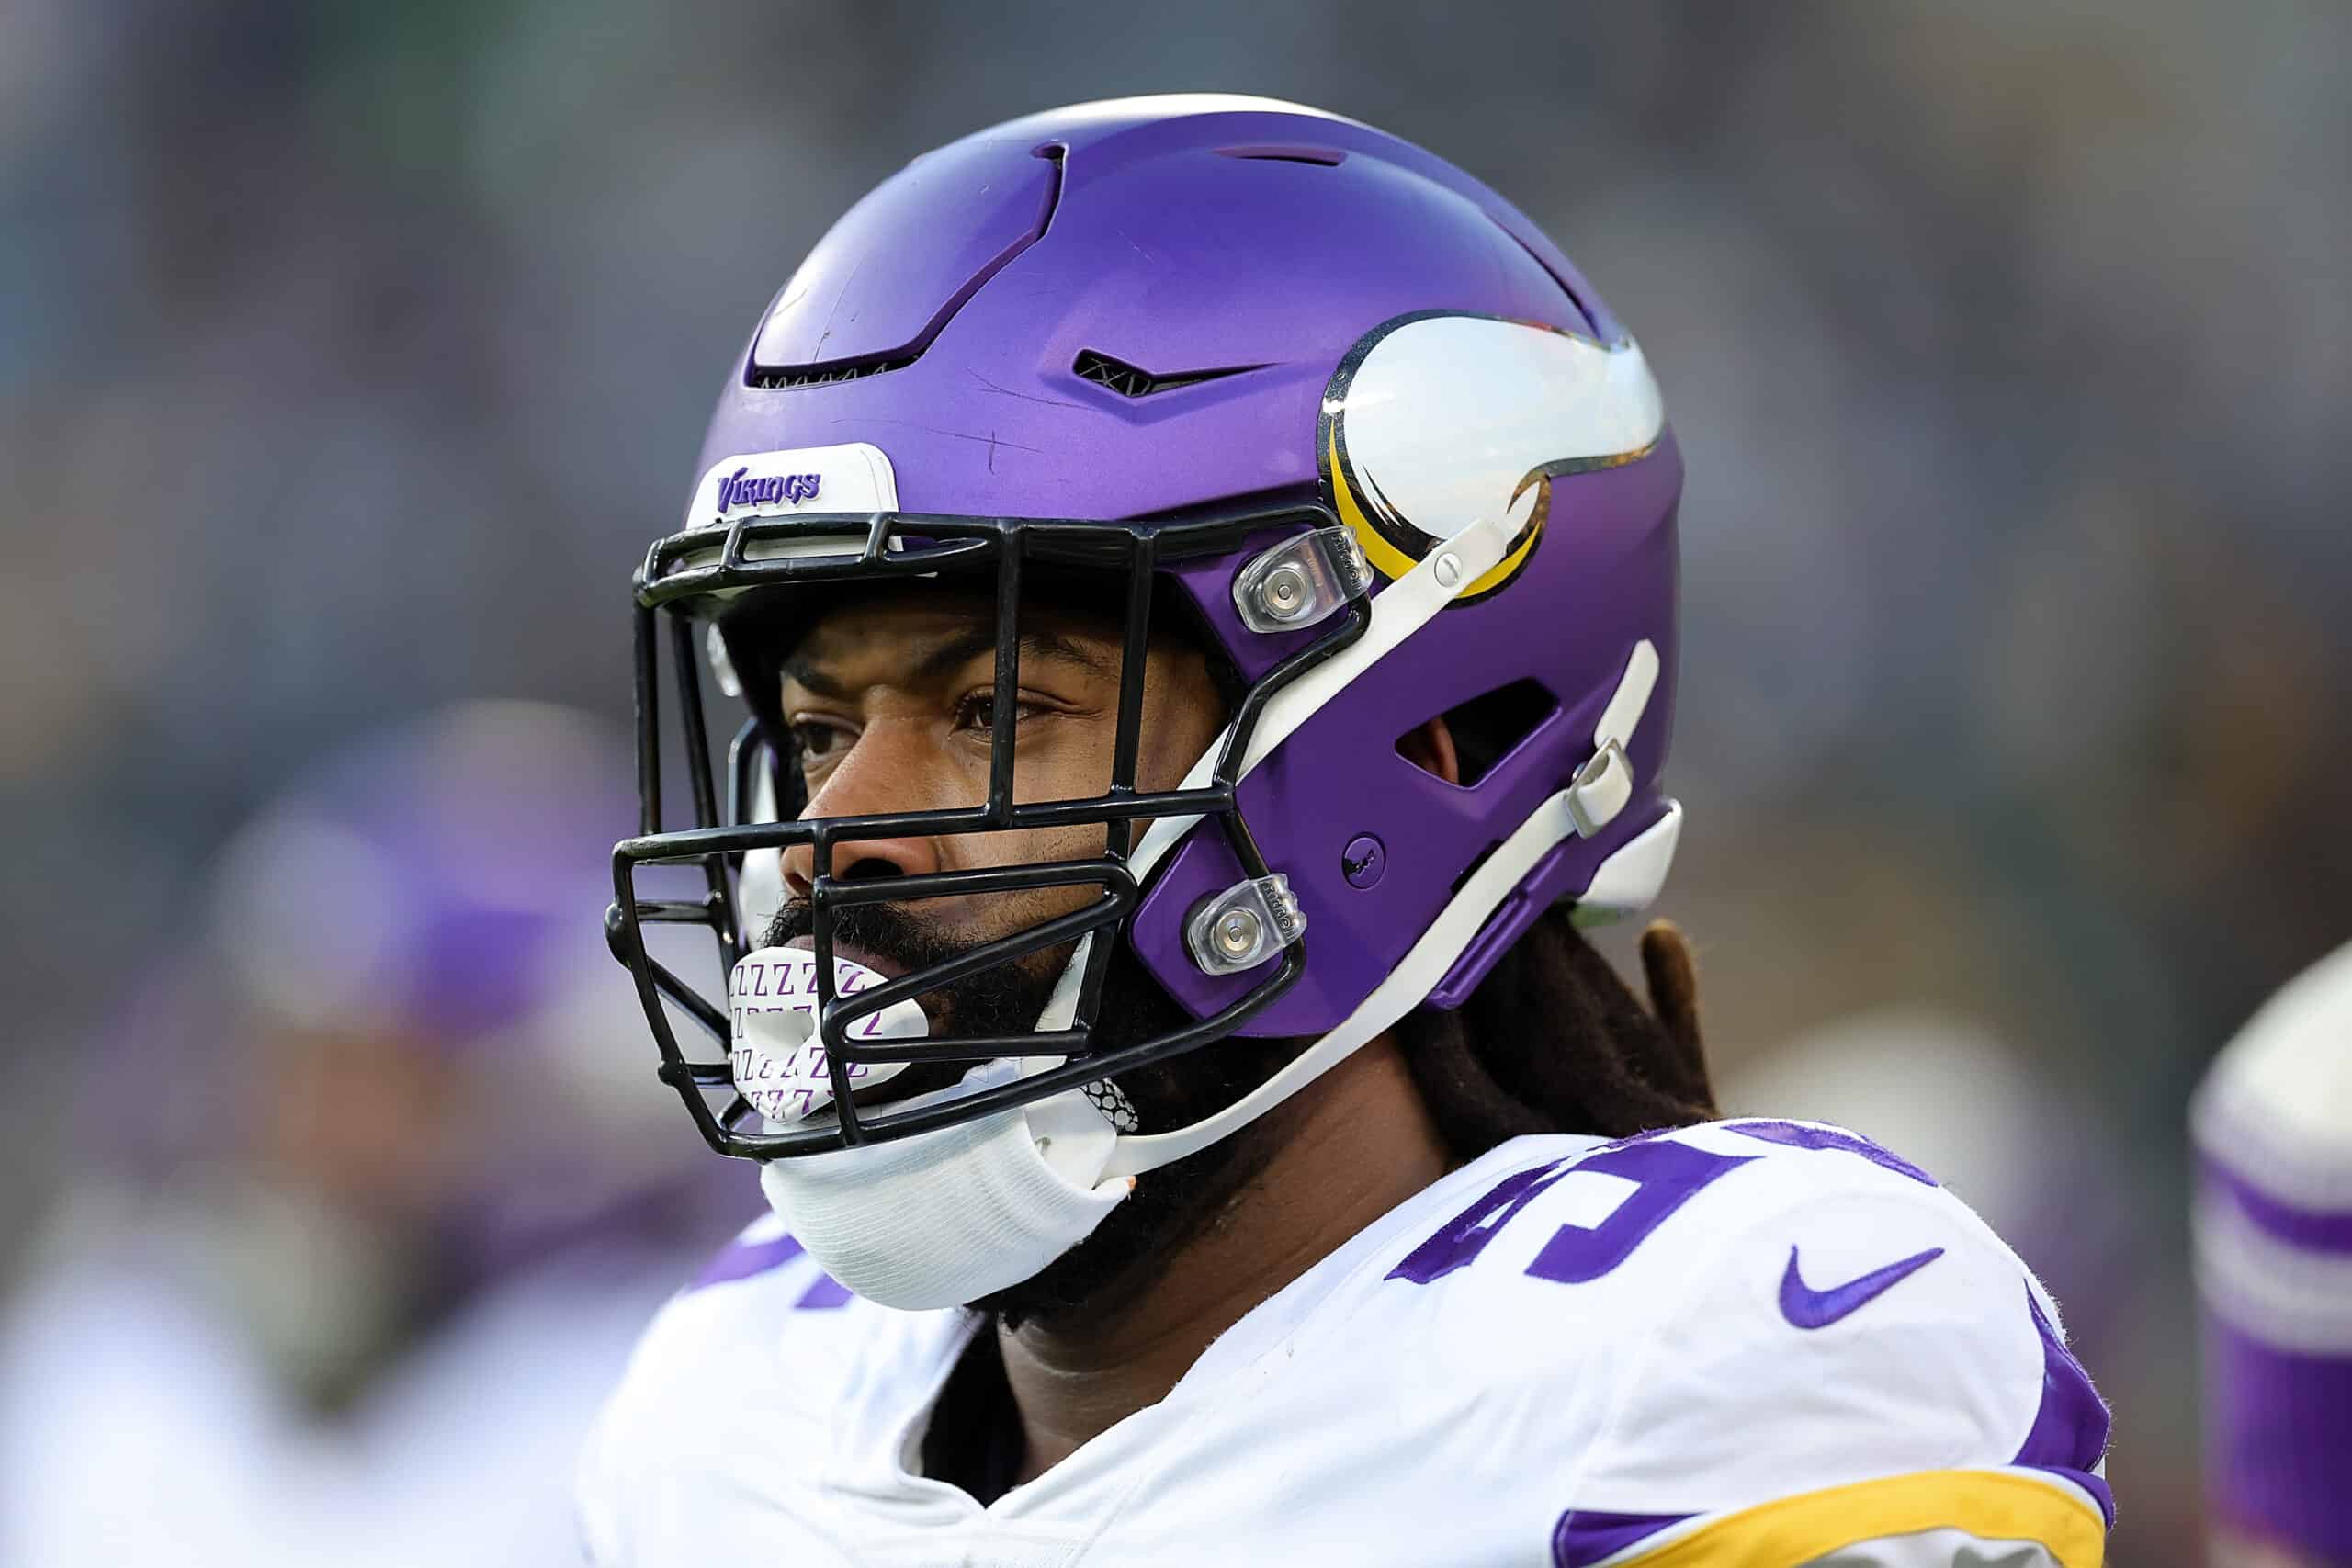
(819, 740)
(978, 711)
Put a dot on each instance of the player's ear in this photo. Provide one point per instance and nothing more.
(1430, 748)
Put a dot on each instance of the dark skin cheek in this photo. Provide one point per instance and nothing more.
(1180, 718)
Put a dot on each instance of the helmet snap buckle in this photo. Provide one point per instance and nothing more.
(1600, 790)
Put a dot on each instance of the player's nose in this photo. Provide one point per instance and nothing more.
(876, 776)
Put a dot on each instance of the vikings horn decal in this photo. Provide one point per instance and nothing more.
(1437, 419)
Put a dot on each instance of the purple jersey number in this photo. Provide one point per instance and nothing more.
(1665, 1175)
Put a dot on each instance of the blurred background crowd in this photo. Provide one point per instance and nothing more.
(350, 354)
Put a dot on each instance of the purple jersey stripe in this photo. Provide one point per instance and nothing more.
(2070, 1429)
(1796, 1135)
(2279, 1432)
(2314, 1230)
(1583, 1537)
(741, 1259)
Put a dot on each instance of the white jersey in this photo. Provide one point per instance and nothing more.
(1755, 1342)
(139, 1427)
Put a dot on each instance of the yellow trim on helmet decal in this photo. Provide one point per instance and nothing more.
(1386, 559)
(1505, 569)
(1393, 563)
(1990, 1504)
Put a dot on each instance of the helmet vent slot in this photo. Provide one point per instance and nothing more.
(1487, 728)
(772, 377)
(1322, 157)
(786, 352)
(1135, 381)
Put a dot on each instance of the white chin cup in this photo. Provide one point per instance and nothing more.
(945, 1218)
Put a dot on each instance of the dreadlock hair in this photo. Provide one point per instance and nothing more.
(1552, 1041)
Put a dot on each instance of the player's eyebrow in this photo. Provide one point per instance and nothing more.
(944, 658)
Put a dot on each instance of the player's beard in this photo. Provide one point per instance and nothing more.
(1169, 1206)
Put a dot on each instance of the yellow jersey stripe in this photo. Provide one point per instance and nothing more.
(1989, 1504)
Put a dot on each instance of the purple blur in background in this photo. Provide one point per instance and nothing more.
(2273, 1247)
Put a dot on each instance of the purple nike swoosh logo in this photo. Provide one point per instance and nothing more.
(1807, 1308)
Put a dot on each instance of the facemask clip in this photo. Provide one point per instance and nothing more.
(1244, 926)
(1301, 580)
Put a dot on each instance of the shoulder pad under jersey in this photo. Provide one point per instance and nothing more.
(732, 1391)
(1764, 1325)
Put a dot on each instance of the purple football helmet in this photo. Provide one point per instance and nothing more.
(1335, 402)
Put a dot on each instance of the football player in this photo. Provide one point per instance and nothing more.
(1201, 573)
(2273, 1227)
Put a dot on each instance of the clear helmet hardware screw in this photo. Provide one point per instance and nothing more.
(1284, 591)
(1237, 934)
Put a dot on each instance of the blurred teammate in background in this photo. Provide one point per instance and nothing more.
(376, 1224)
(2273, 1220)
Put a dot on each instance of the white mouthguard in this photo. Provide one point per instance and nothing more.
(776, 1060)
